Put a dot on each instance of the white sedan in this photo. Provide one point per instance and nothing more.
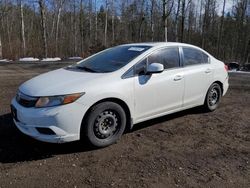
(101, 96)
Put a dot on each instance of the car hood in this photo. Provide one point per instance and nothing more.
(59, 82)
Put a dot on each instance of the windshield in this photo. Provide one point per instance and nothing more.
(111, 59)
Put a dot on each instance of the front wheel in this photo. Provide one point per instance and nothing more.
(105, 124)
(213, 97)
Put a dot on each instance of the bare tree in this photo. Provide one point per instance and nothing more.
(176, 21)
(71, 27)
(241, 36)
(165, 16)
(152, 8)
(74, 26)
(96, 21)
(90, 19)
(221, 27)
(191, 20)
(81, 26)
(113, 20)
(43, 26)
(165, 20)
(1, 49)
(1, 23)
(183, 7)
(106, 23)
(59, 11)
(142, 18)
(22, 28)
(205, 22)
(246, 47)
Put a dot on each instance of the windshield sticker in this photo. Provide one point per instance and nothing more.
(137, 49)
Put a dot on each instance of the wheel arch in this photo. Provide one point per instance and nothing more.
(220, 84)
(217, 82)
(123, 104)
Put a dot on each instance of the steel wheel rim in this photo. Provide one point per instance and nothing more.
(213, 97)
(106, 124)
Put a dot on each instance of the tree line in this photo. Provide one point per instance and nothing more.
(63, 28)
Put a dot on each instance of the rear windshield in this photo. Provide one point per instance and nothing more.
(112, 59)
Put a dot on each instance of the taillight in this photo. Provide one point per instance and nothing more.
(226, 67)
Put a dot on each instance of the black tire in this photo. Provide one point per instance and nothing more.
(213, 97)
(105, 124)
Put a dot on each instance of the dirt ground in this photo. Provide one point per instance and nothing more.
(186, 149)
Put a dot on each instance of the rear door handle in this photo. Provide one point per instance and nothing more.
(178, 77)
(208, 70)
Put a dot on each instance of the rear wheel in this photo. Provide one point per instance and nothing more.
(213, 97)
(105, 124)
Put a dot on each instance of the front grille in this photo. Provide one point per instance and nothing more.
(25, 100)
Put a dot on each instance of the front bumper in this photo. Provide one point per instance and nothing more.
(63, 121)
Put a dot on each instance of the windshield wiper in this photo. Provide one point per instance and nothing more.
(86, 69)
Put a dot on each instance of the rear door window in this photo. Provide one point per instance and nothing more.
(194, 57)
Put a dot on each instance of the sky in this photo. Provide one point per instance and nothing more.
(228, 6)
(248, 9)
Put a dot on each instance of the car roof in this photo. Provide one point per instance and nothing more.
(159, 44)
(166, 44)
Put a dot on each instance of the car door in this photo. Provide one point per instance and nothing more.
(198, 75)
(156, 94)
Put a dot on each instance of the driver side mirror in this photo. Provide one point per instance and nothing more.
(154, 68)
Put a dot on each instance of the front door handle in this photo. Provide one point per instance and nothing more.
(208, 70)
(178, 77)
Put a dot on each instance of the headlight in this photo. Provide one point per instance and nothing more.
(57, 100)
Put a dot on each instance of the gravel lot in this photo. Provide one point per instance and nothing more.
(186, 149)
